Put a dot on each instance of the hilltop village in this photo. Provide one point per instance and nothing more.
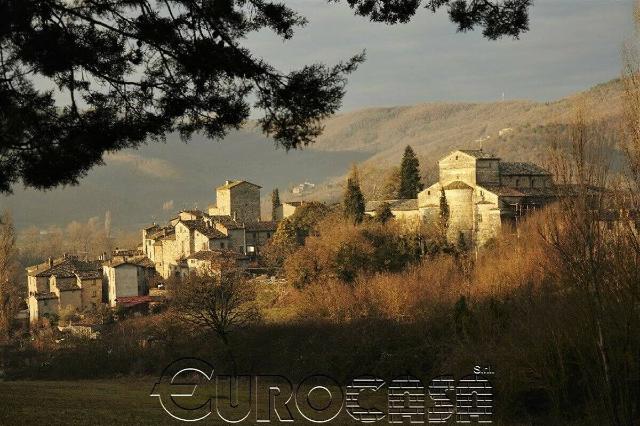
(482, 194)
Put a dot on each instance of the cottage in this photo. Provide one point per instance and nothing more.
(64, 282)
(127, 277)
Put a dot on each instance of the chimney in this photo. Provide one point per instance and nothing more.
(50, 262)
(227, 182)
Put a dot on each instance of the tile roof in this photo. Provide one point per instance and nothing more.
(69, 267)
(478, 153)
(521, 169)
(212, 233)
(261, 226)
(202, 227)
(131, 301)
(226, 221)
(212, 255)
(142, 261)
(68, 285)
(233, 183)
(506, 191)
(398, 205)
(457, 184)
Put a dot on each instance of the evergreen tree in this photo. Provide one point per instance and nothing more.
(383, 213)
(444, 210)
(275, 203)
(409, 175)
(353, 202)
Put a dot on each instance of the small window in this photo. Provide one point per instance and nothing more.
(268, 234)
(428, 192)
(517, 183)
(533, 183)
(456, 158)
(95, 293)
(222, 245)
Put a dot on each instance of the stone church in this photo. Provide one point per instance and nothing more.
(484, 194)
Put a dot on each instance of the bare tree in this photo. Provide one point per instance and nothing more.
(220, 303)
(9, 290)
(588, 236)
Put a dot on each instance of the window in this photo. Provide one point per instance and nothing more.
(222, 245)
(95, 293)
(533, 183)
(268, 234)
(517, 183)
(456, 158)
(428, 192)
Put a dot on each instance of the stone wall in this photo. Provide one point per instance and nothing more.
(457, 166)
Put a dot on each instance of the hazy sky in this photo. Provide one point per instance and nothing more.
(572, 45)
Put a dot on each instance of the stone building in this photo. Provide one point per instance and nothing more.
(401, 209)
(60, 283)
(216, 261)
(239, 200)
(484, 194)
(233, 224)
(127, 277)
(287, 208)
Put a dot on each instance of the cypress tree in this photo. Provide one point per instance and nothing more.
(353, 202)
(409, 175)
(444, 210)
(275, 203)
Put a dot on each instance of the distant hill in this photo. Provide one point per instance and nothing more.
(155, 181)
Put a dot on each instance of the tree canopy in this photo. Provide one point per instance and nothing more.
(410, 183)
(497, 18)
(353, 203)
(82, 78)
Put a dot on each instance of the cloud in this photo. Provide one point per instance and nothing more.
(149, 166)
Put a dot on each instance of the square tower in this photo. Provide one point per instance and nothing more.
(238, 199)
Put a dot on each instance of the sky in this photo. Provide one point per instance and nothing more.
(572, 45)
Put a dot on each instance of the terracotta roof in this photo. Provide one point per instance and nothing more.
(233, 183)
(130, 301)
(521, 169)
(458, 184)
(261, 226)
(478, 153)
(398, 205)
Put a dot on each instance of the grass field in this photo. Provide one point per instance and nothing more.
(93, 402)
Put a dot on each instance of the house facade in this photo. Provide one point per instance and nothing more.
(127, 277)
(61, 283)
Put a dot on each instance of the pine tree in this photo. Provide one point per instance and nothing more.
(275, 203)
(353, 202)
(409, 175)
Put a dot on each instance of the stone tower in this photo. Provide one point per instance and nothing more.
(238, 199)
